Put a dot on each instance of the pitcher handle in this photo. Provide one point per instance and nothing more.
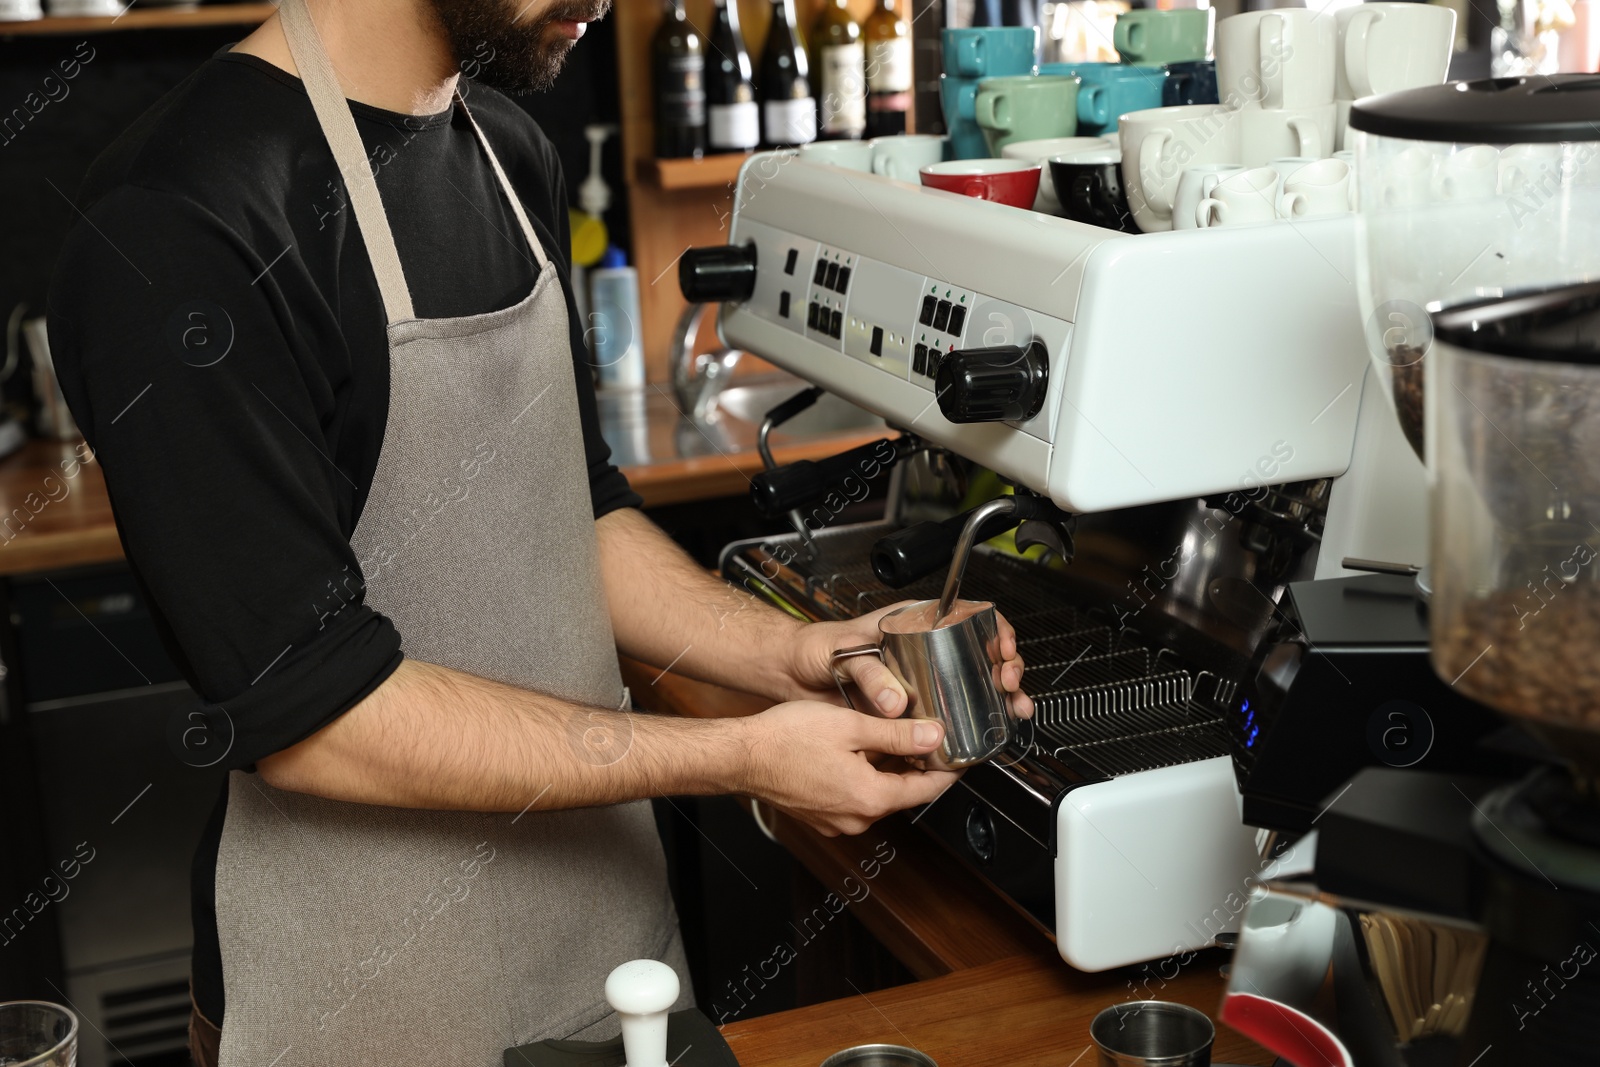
(850, 653)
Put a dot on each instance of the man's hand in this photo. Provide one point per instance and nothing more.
(809, 666)
(814, 761)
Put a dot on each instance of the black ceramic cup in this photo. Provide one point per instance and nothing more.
(1089, 186)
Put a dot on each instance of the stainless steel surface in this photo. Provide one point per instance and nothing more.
(648, 425)
(958, 561)
(36, 1033)
(950, 674)
(879, 1056)
(1153, 1033)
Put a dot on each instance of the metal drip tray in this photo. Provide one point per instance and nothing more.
(1105, 704)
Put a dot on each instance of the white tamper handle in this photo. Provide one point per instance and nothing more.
(640, 992)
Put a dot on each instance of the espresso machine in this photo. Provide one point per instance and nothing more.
(1189, 422)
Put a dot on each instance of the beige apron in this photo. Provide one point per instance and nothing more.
(354, 934)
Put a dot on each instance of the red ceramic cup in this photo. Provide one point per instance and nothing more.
(1005, 181)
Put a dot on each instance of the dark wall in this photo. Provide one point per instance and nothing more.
(116, 76)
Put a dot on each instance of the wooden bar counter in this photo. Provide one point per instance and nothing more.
(54, 511)
(991, 988)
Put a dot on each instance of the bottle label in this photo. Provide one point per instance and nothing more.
(844, 89)
(735, 127)
(790, 121)
(682, 91)
(889, 66)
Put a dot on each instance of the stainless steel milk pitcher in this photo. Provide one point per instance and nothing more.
(951, 674)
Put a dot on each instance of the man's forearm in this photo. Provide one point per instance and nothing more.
(431, 737)
(665, 609)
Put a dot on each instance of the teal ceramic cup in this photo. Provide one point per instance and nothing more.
(1109, 90)
(989, 51)
(1152, 38)
(959, 98)
(1027, 108)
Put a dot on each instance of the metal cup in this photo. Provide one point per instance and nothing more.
(951, 673)
(1153, 1033)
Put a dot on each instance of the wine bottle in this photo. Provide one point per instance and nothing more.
(680, 88)
(888, 39)
(841, 73)
(788, 110)
(733, 121)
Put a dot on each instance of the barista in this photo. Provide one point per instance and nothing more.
(316, 322)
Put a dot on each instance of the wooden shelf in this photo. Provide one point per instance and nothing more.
(144, 18)
(711, 172)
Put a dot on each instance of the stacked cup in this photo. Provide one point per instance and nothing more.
(1284, 80)
(1386, 47)
(1276, 69)
(972, 54)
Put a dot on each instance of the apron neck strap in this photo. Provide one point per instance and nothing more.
(350, 154)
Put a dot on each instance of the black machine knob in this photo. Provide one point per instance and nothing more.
(718, 273)
(1003, 384)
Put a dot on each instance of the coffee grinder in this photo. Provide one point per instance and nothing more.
(1471, 901)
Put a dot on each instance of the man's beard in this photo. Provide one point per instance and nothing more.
(514, 57)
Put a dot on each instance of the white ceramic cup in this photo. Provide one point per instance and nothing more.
(1158, 143)
(852, 155)
(1280, 58)
(1320, 188)
(1242, 199)
(1348, 157)
(1285, 166)
(1194, 185)
(1386, 47)
(1043, 151)
(1470, 173)
(1530, 168)
(902, 157)
(1265, 135)
(1407, 178)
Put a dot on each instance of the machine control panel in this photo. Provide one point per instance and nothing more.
(895, 320)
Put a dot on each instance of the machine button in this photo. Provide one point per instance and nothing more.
(928, 305)
(935, 357)
(919, 360)
(941, 317)
(837, 326)
(783, 304)
(811, 315)
(832, 281)
(789, 262)
(877, 340)
(844, 278)
(821, 272)
(958, 318)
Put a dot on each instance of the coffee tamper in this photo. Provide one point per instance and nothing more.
(640, 992)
